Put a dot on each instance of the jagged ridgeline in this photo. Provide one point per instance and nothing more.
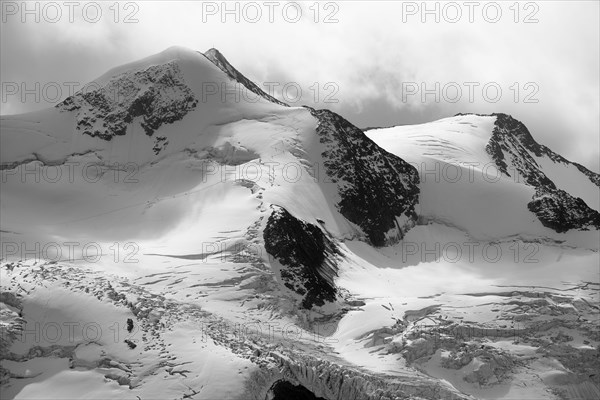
(511, 144)
(378, 190)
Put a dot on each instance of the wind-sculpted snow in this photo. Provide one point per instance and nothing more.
(510, 147)
(157, 96)
(306, 255)
(378, 191)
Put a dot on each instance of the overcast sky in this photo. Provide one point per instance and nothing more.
(373, 58)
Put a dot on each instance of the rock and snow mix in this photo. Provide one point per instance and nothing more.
(236, 249)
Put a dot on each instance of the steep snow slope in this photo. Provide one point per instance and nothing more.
(220, 61)
(161, 108)
(494, 295)
(165, 175)
(486, 175)
(153, 177)
(119, 113)
(252, 244)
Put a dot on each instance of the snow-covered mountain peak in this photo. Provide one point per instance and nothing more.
(321, 170)
(231, 247)
(178, 54)
(494, 157)
(220, 61)
(213, 53)
(120, 114)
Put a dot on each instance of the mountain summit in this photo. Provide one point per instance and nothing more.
(201, 242)
(220, 61)
(527, 186)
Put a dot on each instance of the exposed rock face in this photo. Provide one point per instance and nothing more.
(220, 61)
(305, 253)
(558, 210)
(157, 95)
(511, 146)
(525, 138)
(378, 190)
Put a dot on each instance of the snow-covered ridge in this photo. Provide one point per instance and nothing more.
(514, 186)
(557, 209)
(220, 61)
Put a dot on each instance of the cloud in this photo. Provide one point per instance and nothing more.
(371, 54)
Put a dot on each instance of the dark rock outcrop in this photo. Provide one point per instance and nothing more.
(157, 95)
(558, 210)
(305, 254)
(511, 147)
(377, 188)
(220, 61)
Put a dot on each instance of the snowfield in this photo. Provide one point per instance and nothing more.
(175, 242)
